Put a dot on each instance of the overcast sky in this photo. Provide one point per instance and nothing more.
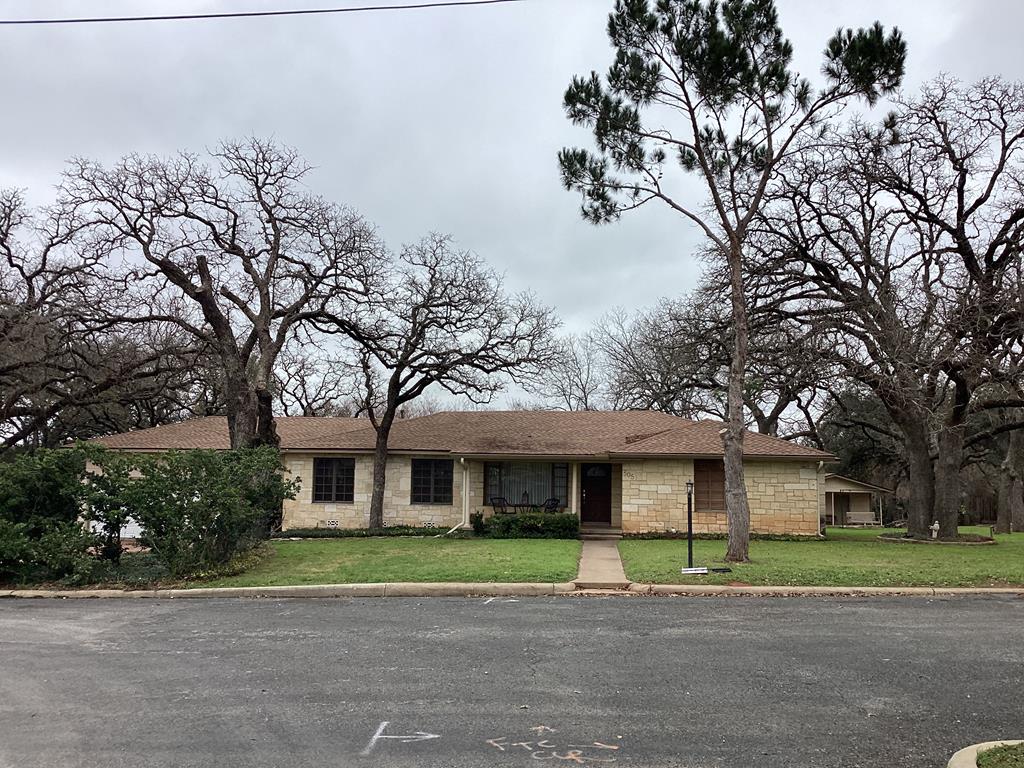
(445, 120)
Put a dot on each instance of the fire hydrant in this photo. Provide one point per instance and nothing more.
(934, 528)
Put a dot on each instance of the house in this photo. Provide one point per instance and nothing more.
(849, 501)
(618, 470)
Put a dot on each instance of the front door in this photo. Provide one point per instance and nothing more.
(596, 487)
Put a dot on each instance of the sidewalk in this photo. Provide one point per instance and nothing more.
(600, 566)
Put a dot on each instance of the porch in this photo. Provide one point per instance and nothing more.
(590, 490)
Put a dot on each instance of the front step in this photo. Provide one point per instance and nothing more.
(599, 534)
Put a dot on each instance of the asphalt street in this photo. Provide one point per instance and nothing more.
(630, 681)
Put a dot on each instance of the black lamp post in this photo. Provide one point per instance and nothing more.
(689, 524)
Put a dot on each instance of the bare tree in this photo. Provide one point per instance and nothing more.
(442, 320)
(62, 376)
(714, 86)
(675, 358)
(576, 379)
(901, 246)
(239, 257)
(312, 380)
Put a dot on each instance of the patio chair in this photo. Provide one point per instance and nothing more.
(551, 505)
(500, 505)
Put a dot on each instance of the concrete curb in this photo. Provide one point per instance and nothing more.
(783, 591)
(509, 589)
(396, 589)
(968, 757)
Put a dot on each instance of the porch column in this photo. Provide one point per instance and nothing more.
(574, 489)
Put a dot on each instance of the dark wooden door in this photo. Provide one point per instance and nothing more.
(596, 487)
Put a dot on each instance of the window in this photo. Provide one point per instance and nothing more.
(526, 482)
(432, 481)
(334, 480)
(709, 485)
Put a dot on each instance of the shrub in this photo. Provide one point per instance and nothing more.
(41, 537)
(63, 552)
(109, 498)
(198, 509)
(533, 525)
(476, 520)
(17, 559)
(38, 488)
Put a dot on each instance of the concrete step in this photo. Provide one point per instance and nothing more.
(594, 536)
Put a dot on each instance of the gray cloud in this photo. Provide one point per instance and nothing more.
(445, 120)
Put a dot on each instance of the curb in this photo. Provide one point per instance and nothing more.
(509, 589)
(968, 757)
(396, 589)
(709, 590)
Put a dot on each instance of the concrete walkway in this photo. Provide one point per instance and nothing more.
(600, 566)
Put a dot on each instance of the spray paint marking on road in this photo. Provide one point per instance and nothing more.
(545, 749)
(405, 739)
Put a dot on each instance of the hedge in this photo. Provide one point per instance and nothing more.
(532, 525)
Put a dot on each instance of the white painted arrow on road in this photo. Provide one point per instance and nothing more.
(405, 739)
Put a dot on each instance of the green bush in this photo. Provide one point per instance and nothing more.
(109, 498)
(198, 509)
(17, 558)
(39, 488)
(476, 520)
(41, 535)
(533, 525)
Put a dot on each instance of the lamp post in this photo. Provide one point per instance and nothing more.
(689, 524)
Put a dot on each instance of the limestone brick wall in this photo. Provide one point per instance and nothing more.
(784, 497)
(302, 512)
(654, 494)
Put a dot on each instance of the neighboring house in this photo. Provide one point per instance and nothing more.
(621, 470)
(852, 502)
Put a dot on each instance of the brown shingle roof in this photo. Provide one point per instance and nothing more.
(704, 438)
(596, 434)
(212, 432)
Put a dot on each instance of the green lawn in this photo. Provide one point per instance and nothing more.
(847, 557)
(1002, 757)
(365, 560)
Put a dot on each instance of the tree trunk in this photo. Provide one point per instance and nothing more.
(243, 415)
(1004, 523)
(947, 480)
(921, 479)
(1011, 506)
(380, 466)
(266, 427)
(735, 485)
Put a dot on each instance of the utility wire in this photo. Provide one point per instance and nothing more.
(254, 14)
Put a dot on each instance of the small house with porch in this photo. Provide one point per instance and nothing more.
(618, 471)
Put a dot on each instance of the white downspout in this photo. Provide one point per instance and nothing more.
(575, 492)
(465, 491)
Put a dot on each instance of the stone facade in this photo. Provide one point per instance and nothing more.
(784, 497)
(647, 495)
(302, 512)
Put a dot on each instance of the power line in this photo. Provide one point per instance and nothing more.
(254, 14)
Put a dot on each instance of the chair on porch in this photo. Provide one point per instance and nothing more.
(500, 505)
(551, 505)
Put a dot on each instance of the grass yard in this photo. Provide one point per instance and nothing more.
(847, 557)
(1002, 757)
(365, 560)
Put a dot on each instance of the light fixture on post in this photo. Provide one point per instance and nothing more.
(689, 524)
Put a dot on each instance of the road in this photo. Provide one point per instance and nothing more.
(640, 681)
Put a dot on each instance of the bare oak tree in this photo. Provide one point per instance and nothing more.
(443, 320)
(239, 257)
